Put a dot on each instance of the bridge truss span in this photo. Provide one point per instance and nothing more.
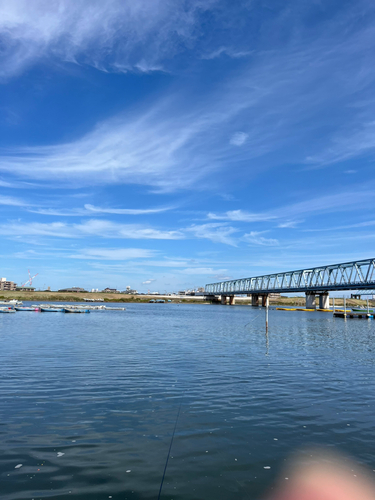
(357, 275)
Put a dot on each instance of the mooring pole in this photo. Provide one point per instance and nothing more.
(267, 318)
(368, 312)
(333, 303)
(344, 307)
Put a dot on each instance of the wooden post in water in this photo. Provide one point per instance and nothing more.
(344, 308)
(367, 308)
(333, 303)
(267, 317)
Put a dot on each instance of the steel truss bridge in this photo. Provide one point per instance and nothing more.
(358, 275)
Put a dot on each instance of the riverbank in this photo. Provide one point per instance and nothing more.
(126, 298)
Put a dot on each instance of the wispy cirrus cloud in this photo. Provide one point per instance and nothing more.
(125, 211)
(238, 138)
(88, 210)
(178, 144)
(13, 202)
(227, 51)
(113, 254)
(92, 227)
(256, 238)
(118, 35)
(216, 232)
(356, 199)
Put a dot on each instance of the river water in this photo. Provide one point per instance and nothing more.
(89, 402)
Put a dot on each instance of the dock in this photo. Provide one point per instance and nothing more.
(364, 315)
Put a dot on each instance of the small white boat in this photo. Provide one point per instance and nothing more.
(27, 308)
(6, 310)
(76, 310)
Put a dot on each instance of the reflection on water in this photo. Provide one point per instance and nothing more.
(89, 402)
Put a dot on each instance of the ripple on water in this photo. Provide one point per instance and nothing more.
(89, 402)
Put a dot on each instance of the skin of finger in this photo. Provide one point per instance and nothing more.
(326, 482)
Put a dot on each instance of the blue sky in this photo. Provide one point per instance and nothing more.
(165, 145)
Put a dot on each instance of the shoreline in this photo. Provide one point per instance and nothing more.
(126, 298)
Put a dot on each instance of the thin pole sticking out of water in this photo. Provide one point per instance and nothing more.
(367, 308)
(333, 303)
(344, 308)
(267, 318)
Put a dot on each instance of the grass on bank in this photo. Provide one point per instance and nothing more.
(119, 297)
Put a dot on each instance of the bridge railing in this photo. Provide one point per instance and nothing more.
(346, 276)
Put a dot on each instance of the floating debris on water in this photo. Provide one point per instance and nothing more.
(60, 453)
(266, 467)
(128, 470)
(18, 466)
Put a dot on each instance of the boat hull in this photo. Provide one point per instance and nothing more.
(79, 311)
(27, 308)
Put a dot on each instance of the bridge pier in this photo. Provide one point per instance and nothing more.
(232, 300)
(223, 300)
(310, 300)
(324, 301)
(264, 298)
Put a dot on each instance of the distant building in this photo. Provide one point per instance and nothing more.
(94, 290)
(109, 290)
(25, 289)
(7, 285)
(76, 289)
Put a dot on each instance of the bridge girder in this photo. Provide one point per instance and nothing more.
(356, 275)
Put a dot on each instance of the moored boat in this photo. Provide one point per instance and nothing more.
(76, 310)
(6, 310)
(362, 310)
(25, 308)
(51, 309)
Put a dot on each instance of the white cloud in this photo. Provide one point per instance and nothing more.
(125, 211)
(227, 51)
(177, 144)
(255, 238)
(115, 35)
(147, 282)
(89, 210)
(11, 201)
(242, 216)
(289, 223)
(92, 227)
(113, 254)
(216, 232)
(238, 139)
(65, 212)
(358, 198)
(346, 144)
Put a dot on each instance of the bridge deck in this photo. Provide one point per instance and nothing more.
(357, 275)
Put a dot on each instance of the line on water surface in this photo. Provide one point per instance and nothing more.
(170, 447)
(257, 316)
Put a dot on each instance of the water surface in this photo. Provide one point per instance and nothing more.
(89, 402)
